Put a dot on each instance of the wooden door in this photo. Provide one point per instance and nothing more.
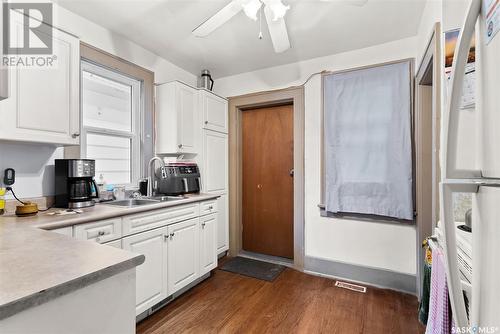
(183, 254)
(267, 146)
(151, 276)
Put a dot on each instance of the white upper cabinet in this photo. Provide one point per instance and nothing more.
(215, 161)
(176, 118)
(151, 276)
(214, 110)
(208, 240)
(183, 254)
(43, 104)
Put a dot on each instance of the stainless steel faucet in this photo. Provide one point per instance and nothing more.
(152, 176)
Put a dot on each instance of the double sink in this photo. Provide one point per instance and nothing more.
(133, 202)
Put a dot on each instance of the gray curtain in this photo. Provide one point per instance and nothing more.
(368, 158)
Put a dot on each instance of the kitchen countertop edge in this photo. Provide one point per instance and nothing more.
(29, 301)
(111, 212)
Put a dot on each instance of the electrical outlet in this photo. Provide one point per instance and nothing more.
(9, 176)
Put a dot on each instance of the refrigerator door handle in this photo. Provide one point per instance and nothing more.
(450, 130)
(455, 180)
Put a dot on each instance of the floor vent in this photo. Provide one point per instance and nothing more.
(350, 286)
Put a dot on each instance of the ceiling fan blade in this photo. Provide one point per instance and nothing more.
(221, 17)
(278, 32)
(358, 3)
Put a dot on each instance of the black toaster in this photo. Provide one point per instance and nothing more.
(179, 178)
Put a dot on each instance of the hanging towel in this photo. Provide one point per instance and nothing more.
(423, 311)
(439, 321)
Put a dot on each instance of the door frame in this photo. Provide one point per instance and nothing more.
(238, 104)
(425, 226)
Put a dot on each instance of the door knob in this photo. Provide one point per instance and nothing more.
(291, 172)
(259, 186)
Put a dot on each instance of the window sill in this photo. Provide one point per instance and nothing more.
(361, 216)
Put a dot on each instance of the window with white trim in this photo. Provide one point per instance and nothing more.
(111, 124)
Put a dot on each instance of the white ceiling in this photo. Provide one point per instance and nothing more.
(315, 28)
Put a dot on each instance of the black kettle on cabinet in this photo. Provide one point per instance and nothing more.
(205, 80)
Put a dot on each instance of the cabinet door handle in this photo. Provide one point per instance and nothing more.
(165, 237)
(172, 235)
(101, 233)
(210, 207)
(75, 135)
(180, 145)
(206, 122)
(203, 225)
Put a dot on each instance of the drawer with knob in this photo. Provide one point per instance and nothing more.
(208, 207)
(101, 231)
(152, 219)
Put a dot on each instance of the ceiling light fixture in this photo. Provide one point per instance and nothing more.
(251, 8)
(278, 8)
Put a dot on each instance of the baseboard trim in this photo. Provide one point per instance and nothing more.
(381, 278)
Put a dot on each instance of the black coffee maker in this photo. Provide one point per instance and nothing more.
(75, 186)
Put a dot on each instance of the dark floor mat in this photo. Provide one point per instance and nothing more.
(253, 268)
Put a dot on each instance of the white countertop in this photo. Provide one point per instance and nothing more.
(46, 221)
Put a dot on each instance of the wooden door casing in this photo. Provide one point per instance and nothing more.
(267, 194)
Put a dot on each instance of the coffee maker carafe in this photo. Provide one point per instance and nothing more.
(75, 186)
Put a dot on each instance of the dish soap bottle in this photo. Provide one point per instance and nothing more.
(2, 201)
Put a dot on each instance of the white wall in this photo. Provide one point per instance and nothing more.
(376, 244)
(106, 40)
(34, 163)
(432, 14)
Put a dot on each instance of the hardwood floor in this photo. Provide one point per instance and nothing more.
(294, 303)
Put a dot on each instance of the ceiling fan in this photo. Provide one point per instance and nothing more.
(274, 11)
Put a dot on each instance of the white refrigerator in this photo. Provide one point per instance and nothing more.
(483, 18)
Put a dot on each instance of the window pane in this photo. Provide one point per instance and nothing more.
(107, 104)
(112, 155)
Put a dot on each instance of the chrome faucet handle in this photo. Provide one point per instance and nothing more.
(152, 175)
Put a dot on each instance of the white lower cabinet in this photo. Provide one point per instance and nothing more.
(183, 250)
(222, 223)
(100, 231)
(208, 243)
(180, 244)
(151, 276)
